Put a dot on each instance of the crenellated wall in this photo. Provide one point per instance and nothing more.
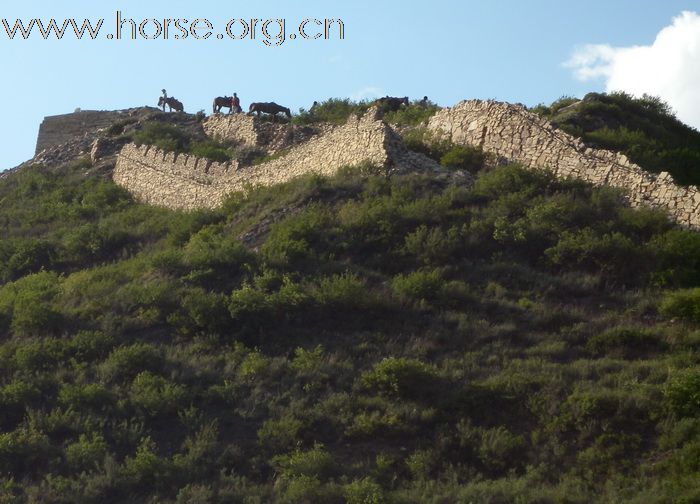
(188, 182)
(513, 133)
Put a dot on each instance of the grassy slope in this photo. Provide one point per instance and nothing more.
(388, 341)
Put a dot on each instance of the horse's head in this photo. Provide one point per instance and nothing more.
(404, 100)
(161, 101)
(288, 113)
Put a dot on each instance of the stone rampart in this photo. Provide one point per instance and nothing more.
(513, 133)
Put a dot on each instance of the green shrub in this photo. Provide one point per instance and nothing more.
(625, 342)
(464, 158)
(280, 434)
(678, 257)
(91, 396)
(210, 149)
(29, 256)
(345, 291)
(32, 303)
(23, 452)
(612, 254)
(433, 246)
(500, 449)
(334, 110)
(146, 470)
(16, 398)
(40, 356)
(155, 396)
(202, 311)
(683, 392)
(164, 136)
(316, 462)
(401, 377)
(364, 491)
(413, 115)
(684, 304)
(422, 284)
(88, 346)
(124, 363)
(87, 453)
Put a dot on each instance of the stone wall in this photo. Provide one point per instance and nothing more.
(188, 182)
(248, 130)
(513, 133)
(56, 130)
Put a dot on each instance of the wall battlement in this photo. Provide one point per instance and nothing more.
(512, 132)
(187, 182)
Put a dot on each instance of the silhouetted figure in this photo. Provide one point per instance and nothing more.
(235, 105)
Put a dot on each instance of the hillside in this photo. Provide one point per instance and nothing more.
(351, 338)
(645, 129)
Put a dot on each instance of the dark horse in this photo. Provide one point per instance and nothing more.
(391, 104)
(172, 103)
(224, 102)
(269, 108)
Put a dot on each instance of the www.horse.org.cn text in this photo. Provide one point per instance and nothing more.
(272, 32)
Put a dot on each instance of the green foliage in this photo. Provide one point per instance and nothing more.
(87, 453)
(212, 150)
(316, 462)
(334, 110)
(153, 395)
(165, 136)
(364, 491)
(684, 304)
(401, 377)
(356, 338)
(625, 342)
(125, 362)
(419, 285)
(416, 113)
(464, 158)
(683, 392)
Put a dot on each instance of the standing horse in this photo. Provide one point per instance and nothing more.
(172, 103)
(223, 102)
(269, 108)
(391, 104)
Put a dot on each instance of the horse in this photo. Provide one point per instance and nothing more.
(222, 102)
(269, 108)
(172, 103)
(391, 104)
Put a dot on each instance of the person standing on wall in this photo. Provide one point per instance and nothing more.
(236, 104)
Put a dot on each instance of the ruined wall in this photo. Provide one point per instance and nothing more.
(188, 182)
(511, 132)
(251, 131)
(56, 130)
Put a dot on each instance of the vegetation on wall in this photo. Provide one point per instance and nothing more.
(645, 129)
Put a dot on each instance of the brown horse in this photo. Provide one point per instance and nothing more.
(224, 102)
(172, 103)
(269, 108)
(391, 104)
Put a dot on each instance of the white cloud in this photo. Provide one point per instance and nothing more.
(367, 93)
(669, 68)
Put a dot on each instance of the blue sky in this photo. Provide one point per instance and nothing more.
(511, 50)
